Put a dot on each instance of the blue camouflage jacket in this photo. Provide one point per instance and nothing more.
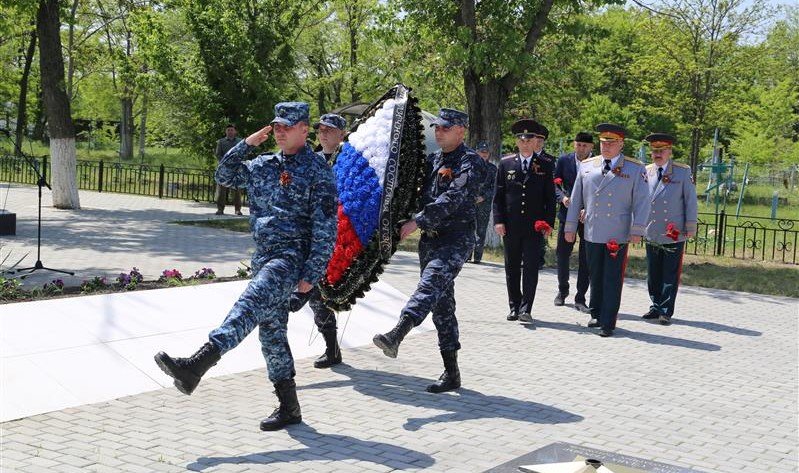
(292, 200)
(453, 183)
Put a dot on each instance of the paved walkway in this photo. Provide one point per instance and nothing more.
(115, 232)
(716, 391)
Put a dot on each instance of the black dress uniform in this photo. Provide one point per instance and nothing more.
(522, 196)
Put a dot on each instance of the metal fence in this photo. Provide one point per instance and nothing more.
(141, 179)
(746, 237)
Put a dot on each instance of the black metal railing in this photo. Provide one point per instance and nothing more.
(746, 237)
(140, 179)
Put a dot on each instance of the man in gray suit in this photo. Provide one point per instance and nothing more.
(672, 220)
(612, 188)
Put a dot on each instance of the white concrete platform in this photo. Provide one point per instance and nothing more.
(73, 351)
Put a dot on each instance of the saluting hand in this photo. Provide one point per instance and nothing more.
(259, 136)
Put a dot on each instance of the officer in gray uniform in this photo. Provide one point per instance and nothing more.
(447, 223)
(484, 199)
(672, 219)
(612, 189)
(293, 220)
(330, 129)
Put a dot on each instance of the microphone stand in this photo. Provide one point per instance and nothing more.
(41, 182)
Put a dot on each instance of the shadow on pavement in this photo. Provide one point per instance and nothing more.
(712, 326)
(623, 333)
(325, 447)
(463, 404)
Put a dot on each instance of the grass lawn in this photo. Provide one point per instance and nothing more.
(706, 271)
(153, 155)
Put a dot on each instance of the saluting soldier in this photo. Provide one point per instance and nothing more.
(612, 188)
(566, 169)
(484, 199)
(447, 224)
(524, 193)
(293, 220)
(672, 220)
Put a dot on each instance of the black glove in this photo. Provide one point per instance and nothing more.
(298, 299)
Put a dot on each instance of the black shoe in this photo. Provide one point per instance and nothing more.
(451, 378)
(288, 412)
(476, 261)
(512, 315)
(560, 299)
(604, 333)
(187, 372)
(664, 320)
(652, 314)
(593, 323)
(219, 212)
(389, 342)
(582, 307)
(526, 317)
(332, 354)
(238, 212)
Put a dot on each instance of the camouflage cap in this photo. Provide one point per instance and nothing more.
(448, 117)
(291, 113)
(332, 120)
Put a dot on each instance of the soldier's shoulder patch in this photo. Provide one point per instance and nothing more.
(633, 160)
(680, 165)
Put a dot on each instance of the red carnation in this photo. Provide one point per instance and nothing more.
(613, 247)
(558, 181)
(672, 231)
(542, 226)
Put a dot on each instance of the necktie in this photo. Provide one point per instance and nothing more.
(524, 166)
(607, 167)
(660, 174)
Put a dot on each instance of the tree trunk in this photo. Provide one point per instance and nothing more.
(59, 116)
(486, 102)
(126, 130)
(143, 127)
(22, 108)
(696, 138)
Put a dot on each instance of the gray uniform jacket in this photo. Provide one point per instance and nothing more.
(673, 200)
(616, 204)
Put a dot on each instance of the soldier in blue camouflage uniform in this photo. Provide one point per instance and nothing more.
(330, 129)
(484, 199)
(612, 188)
(293, 220)
(673, 201)
(447, 224)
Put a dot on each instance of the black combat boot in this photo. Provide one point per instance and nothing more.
(389, 342)
(288, 412)
(451, 379)
(187, 372)
(332, 354)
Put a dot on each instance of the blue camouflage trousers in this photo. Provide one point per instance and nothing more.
(264, 303)
(441, 259)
